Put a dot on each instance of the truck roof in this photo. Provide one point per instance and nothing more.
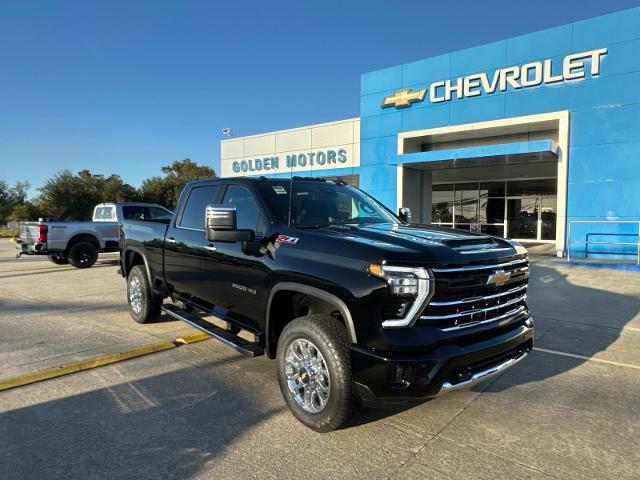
(253, 180)
(106, 204)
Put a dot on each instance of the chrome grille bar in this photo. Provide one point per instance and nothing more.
(467, 268)
(472, 312)
(509, 314)
(476, 299)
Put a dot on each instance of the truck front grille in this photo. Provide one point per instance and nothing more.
(465, 297)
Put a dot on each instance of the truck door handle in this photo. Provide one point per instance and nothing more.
(171, 240)
(210, 248)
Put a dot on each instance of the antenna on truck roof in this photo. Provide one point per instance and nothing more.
(290, 193)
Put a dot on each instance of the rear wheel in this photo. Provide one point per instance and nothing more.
(83, 255)
(314, 371)
(144, 305)
(58, 260)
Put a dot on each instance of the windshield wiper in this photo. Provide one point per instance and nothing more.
(313, 227)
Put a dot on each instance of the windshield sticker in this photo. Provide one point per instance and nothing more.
(279, 189)
(287, 239)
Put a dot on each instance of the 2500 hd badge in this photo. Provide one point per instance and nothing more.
(367, 308)
(242, 288)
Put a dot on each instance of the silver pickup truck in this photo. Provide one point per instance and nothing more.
(79, 243)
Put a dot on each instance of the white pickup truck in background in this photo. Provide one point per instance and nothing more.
(79, 243)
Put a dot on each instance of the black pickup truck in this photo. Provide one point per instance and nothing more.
(355, 304)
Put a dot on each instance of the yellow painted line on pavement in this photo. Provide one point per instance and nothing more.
(591, 359)
(100, 361)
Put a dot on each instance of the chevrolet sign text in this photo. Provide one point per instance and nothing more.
(574, 66)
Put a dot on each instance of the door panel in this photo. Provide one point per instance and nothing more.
(183, 253)
(184, 243)
(234, 284)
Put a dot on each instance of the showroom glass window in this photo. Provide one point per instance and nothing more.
(520, 209)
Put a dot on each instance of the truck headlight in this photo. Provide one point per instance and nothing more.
(404, 281)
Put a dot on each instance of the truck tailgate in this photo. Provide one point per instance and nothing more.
(29, 232)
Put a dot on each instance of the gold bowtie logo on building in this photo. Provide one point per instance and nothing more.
(403, 98)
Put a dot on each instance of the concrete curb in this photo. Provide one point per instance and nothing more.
(59, 371)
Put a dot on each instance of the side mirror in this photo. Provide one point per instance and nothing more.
(405, 214)
(221, 225)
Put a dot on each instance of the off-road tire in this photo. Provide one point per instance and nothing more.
(58, 260)
(83, 255)
(330, 337)
(149, 308)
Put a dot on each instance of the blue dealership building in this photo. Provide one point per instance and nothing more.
(535, 137)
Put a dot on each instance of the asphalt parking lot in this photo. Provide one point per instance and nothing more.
(203, 411)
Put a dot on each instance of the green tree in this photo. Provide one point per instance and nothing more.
(166, 189)
(72, 197)
(5, 205)
(12, 198)
(25, 211)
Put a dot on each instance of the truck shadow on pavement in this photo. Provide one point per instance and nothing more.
(166, 425)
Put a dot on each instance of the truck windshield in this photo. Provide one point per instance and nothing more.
(318, 204)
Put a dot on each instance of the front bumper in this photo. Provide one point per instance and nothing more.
(400, 378)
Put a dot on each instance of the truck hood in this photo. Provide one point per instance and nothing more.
(422, 243)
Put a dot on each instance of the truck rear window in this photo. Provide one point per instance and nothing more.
(104, 213)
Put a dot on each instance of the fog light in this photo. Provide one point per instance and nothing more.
(402, 376)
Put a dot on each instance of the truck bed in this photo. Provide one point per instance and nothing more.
(148, 237)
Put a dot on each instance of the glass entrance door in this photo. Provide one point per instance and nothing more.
(531, 217)
(548, 215)
(522, 217)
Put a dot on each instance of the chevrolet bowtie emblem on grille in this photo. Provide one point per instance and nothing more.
(403, 98)
(498, 278)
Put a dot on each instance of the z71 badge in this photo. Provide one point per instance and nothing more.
(287, 239)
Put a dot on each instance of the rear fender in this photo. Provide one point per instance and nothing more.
(71, 238)
(127, 257)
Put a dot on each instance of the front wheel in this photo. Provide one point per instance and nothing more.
(144, 305)
(314, 371)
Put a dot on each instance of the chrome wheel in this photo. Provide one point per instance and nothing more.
(135, 294)
(307, 375)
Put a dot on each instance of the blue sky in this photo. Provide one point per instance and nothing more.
(126, 87)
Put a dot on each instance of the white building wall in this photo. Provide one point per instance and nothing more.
(320, 147)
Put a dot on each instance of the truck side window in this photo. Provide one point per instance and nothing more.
(130, 212)
(194, 210)
(156, 213)
(248, 212)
